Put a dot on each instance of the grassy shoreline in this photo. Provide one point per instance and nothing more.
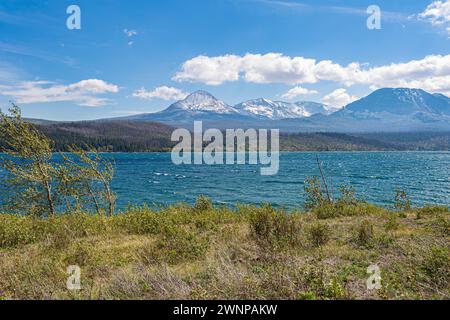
(250, 252)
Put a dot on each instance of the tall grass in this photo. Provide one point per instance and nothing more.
(208, 252)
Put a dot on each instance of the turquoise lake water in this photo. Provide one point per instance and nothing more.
(152, 178)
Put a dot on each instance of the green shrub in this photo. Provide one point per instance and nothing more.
(326, 211)
(275, 229)
(402, 201)
(442, 224)
(16, 230)
(364, 233)
(177, 245)
(142, 221)
(431, 211)
(348, 196)
(203, 203)
(342, 209)
(437, 265)
(392, 223)
(308, 295)
(59, 231)
(319, 234)
(334, 290)
(314, 196)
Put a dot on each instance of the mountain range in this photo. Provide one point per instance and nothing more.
(384, 110)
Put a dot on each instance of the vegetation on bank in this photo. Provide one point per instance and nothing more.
(206, 252)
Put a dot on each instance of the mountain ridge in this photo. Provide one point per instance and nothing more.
(384, 110)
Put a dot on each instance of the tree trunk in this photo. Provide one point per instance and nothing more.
(111, 199)
(48, 189)
(49, 197)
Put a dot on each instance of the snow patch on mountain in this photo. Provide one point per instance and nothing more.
(203, 101)
(276, 110)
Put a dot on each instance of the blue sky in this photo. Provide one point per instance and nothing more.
(139, 56)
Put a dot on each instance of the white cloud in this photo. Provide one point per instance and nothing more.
(256, 68)
(438, 14)
(163, 92)
(297, 91)
(278, 68)
(210, 70)
(338, 98)
(130, 33)
(83, 93)
(431, 74)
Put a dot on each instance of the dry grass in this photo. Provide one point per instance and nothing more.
(203, 252)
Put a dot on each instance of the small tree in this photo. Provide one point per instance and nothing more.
(87, 178)
(43, 184)
(402, 202)
(28, 162)
(314, 193)
(317, 190)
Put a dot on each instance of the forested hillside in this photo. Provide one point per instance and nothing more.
(116, 136)
(146, 136)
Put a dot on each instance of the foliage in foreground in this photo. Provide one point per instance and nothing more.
(36, 182)
(203, 252)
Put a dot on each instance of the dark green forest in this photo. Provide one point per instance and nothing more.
(143, 136)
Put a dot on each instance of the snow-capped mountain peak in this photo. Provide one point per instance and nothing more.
(203, 101)
(386, 109)
(278, 109)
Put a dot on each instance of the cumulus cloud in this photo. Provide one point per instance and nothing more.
(163, 92)
(278, 68)
(210, 70)
(338, 98)
(83, 93)
(438, 14)
(297, 91)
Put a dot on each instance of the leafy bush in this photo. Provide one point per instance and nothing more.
(275, 229)
(344, 206)
(442, 224)
(431, 211)
(16, 230)
(402, 201)
(334, 290)
(326, 211)
(364, 233)
(437, 265)
(203, 203)
(348, 196)
(142, 221)
(314, 193)
(177, 245)
(392, 223)
(319, 234)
